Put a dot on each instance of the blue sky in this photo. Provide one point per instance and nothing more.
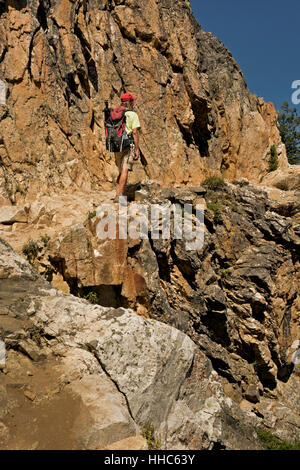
(263, 37)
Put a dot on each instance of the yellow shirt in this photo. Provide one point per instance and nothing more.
(132, 122)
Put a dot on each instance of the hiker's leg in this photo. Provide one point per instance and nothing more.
(122, 181)
(118, 162)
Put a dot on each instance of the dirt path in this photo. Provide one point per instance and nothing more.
(37, 413)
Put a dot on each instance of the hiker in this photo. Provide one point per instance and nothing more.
(124, 125)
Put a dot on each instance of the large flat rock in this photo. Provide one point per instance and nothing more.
(12, 214)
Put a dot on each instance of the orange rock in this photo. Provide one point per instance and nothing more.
(198, 118)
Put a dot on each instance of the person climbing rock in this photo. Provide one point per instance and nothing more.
(122, 137)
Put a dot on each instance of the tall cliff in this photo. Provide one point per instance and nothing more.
(61, 59)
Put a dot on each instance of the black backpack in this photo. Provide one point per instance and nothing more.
(115, 134)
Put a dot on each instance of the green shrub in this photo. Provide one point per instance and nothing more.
(92, 214)
(30, 249)
(216, 208)
(214, 182)
(45, 239)
(273, 162)
(271, 442)
(226, 272)
(92, 297)
(148, 434)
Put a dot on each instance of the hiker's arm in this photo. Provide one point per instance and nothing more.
(135, 133)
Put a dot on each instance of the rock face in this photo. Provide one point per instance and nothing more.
(241, 289)
(61, 59)
(84, 376)
(218, 363)
(198, 345)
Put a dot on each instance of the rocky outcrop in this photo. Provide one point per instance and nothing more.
(233, 307)
(60, 60)
(240, 289)
(287, 179)
(84, 376)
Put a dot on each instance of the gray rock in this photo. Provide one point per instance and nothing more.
(129, 371)
(12, 214)
(241, 181)
(252, 394)
(197, 189)
(103, 417)
(140, 195)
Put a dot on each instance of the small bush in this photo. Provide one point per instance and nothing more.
(216, 208)
(225, 272)
(92, 297)
(92, 214)
(30, 249)
(271, 442)
(214, 182)
(148, 434)
(273, 162)
(45, 239)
